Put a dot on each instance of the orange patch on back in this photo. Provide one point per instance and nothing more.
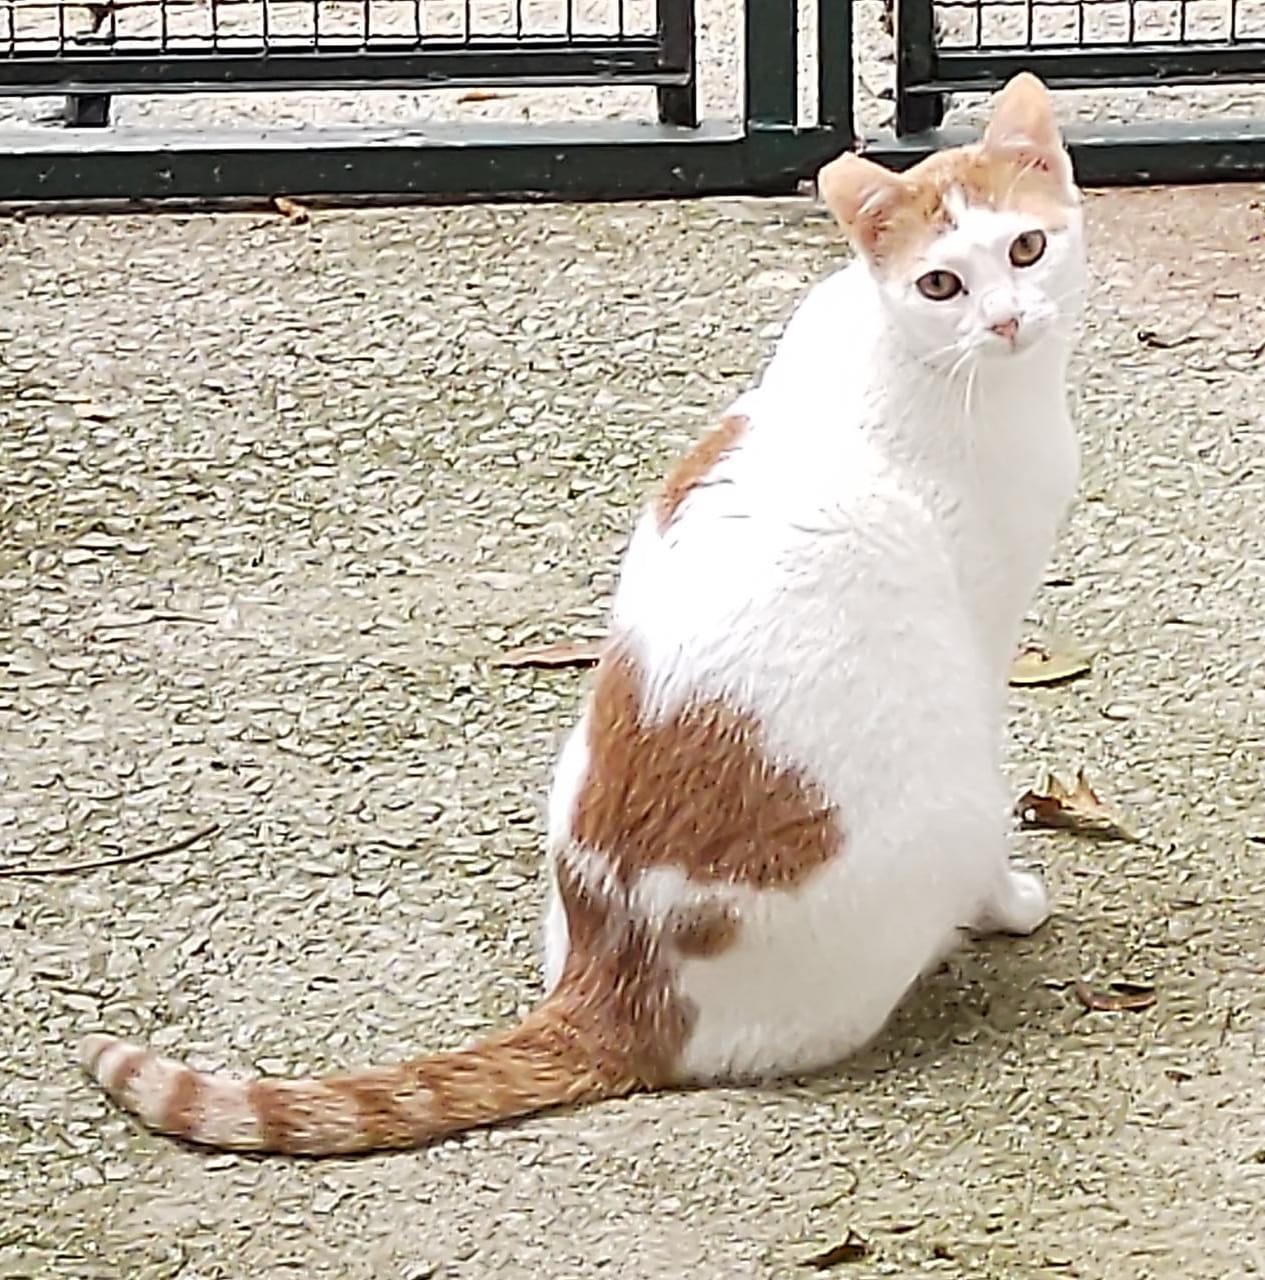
(693, 467)
(695, 791)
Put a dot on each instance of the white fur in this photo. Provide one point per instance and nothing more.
(567, 777)
(227, 1117)
(857, 583)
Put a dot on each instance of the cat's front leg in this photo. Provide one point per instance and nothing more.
(1018, 903)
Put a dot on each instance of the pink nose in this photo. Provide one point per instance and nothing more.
(1008, 329)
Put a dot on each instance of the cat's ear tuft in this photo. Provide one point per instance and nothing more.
(1023, 127)
(861, 195)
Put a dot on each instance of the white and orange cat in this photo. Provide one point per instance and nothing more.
(783, 800)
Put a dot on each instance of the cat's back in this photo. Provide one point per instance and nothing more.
(780, 528)
(826, 356)
(789, 449)
(787, 527)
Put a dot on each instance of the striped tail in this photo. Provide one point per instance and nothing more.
(557, 1056)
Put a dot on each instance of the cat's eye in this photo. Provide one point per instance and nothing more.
(939, 286)
(1027, 248)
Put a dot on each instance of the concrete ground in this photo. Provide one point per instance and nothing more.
(273, 497)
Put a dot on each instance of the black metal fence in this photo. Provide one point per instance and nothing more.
(948, 45)
(154, 46)
(1072, 44)
(90, 50)
(960, 46)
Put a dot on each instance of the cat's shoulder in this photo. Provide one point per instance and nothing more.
(828, 343)
(846, 290)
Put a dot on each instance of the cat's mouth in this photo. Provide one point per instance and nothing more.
(1008, 340)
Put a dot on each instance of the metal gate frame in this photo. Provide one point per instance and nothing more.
(765, 152)
(1140, 153)
(95, 67)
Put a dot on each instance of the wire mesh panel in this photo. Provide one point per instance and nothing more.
(172, 25)
(1102, 24)
(156, 44)
(976, 45)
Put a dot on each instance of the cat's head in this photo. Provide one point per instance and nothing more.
(977, 251)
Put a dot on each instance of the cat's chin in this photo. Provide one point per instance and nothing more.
(999, 350)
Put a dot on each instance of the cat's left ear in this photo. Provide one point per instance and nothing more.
(862, 196)
(1023, 129)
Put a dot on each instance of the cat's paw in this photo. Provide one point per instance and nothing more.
(1020, 905)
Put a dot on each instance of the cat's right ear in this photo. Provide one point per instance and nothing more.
(862, 196)
(1023, 130)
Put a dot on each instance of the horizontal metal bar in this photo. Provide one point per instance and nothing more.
(453, 164)
(1131, 155)
(442, 164)
(1104, 67)
(486, 63)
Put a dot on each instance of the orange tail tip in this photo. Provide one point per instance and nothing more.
(550, 1059)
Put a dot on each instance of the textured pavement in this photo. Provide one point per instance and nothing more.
(273, 497)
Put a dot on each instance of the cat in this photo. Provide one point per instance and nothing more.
(783, 801)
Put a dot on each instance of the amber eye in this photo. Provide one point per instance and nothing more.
(939, 286)
(1027, 248)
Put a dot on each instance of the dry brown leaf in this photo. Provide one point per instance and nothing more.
(1035, 665)
(1079, 810)
(1120, 997)
(583, 653)
(853, 1249)
(292, 210)
(482, 95)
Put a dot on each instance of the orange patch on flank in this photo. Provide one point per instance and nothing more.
(899, 226)
(695, 791)
(693, 467)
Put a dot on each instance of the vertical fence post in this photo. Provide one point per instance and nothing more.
(678, 104)
(834, 67)
(772, 28)
(87, 110)
(916, 65)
